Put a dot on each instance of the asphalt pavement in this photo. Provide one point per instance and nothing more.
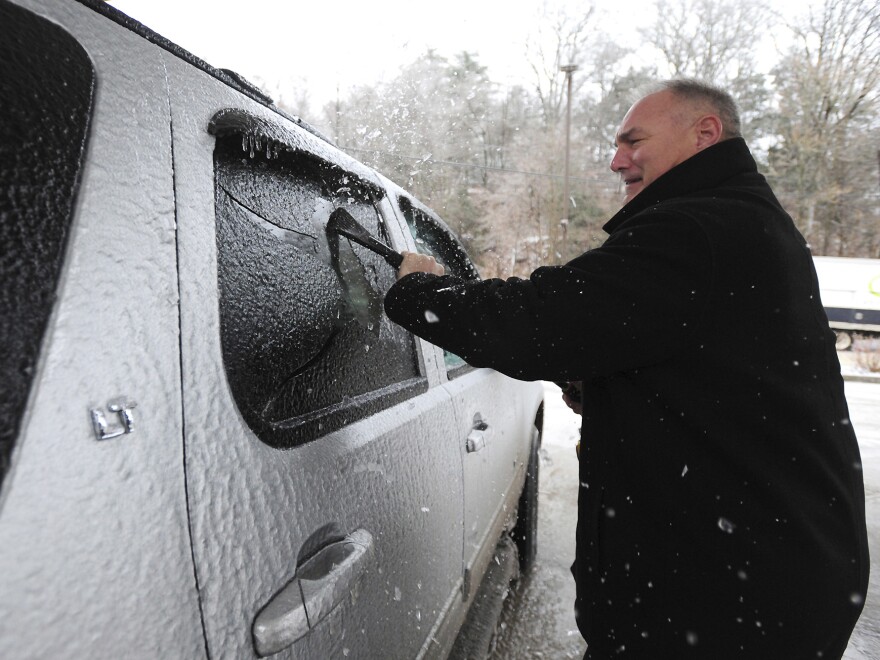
(538, 620)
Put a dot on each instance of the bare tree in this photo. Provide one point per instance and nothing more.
(433, 129)
(490, 161)
(715, 41)
(829, 97)
(561, 37)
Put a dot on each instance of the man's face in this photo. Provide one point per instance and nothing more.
(656, 134)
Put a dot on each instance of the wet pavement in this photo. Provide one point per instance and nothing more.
(538, 619)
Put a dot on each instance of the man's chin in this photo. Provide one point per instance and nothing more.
(631, 194)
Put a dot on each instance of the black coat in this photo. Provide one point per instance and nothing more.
(721, 509)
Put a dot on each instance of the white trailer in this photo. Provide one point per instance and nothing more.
(850, 290)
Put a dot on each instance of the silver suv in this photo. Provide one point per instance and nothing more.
(213, 443)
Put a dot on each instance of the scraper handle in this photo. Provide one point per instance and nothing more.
(341, 222)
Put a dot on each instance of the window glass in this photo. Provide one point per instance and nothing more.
(46, 91)
(433, 237)
(306, 344)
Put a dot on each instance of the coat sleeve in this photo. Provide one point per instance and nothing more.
(635, 301)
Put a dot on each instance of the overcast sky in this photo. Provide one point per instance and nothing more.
(343, 43)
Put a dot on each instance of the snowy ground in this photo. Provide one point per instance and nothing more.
(538, 621)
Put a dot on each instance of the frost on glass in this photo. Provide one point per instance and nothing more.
(47, 83)
(306, 345)
(435, 238)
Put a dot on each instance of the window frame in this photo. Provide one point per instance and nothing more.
(249, 132)
(461, 265)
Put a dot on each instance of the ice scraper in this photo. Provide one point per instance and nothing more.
(341, 222)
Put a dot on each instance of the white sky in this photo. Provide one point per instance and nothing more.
(330, 43)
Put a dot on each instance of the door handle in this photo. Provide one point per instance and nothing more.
(321, 583)
(476, 439)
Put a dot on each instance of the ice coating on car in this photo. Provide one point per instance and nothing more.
(47, 84)
(256, 132)
(202, 513)
(262, 134)
(306, 343)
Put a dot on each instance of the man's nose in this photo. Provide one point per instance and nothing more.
(618, 162)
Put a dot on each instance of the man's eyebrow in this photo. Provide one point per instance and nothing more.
(626, 136)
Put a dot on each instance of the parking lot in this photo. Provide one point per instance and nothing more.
(538, 621)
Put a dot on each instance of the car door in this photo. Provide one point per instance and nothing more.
(95, 558)
(492, 413)
(325, 516)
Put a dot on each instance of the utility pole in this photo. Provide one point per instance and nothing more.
(568, 69)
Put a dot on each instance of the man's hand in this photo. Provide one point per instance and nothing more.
(413, 262)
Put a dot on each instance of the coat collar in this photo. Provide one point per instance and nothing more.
(706, 169)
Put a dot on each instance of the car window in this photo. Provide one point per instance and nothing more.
(306, 344)
(46, 87)
(433, 237)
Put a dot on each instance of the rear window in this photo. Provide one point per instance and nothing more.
(306, 344)
(46, 89)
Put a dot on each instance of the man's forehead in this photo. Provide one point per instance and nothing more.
(646, 113)
(636, 119)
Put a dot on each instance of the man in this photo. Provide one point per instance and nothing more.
(721, 509)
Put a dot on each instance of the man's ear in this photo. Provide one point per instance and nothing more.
(709, 131)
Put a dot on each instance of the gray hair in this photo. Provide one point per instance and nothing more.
(702, 93)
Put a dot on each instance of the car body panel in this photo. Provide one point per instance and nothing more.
(254, 506)
(170, 540)
(92, 531)
(494, 463)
